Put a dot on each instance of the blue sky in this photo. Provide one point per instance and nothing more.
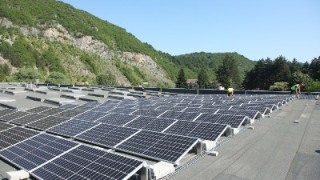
(254, 28)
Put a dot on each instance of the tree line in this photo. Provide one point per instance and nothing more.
(267, 74)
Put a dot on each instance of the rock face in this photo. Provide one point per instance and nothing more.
(58, 34)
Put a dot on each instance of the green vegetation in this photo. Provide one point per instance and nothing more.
(279, 86)
(203, 80)
(228, 73)
(181, 80)
(267, 72)
(211, 61)
(4, 71)
(25, 75)
(57, 78)
(106, 79)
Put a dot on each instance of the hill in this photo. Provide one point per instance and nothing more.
(211, 61)
(50, 37)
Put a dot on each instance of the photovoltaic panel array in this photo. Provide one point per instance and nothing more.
(116, 119)
(159, 146)
(5, 112)
(72, 127)
(14, 135)
(53, 111)
(90, 116)
(85, 162)
(70, 113)
(28, 119)
(235, 121)
(122, 110)
(106, 135)
(148, 112)
(38, 109)
(4, 126)
(34, 152)
(12, 116)
(252, 114)
(47, 122)
(202, 130)
(150, 123)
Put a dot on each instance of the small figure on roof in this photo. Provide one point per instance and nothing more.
(296, 88)
(230, 92)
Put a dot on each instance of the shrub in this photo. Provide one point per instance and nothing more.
(57, 78)
(279, 86)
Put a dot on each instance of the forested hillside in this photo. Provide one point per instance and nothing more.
(211, 62)
(51, 36)
(56, 43)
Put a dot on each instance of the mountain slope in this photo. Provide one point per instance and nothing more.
(81, 43)
(52, 36)
(210, 61)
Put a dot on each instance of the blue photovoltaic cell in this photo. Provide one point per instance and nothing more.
(106, 135)
(91, 116)
(28, 119)
(4, 126)
(38, 109)
(14, 135)
(36, 151)
(206, 131)
(158, 146)
(85, 162)
(171, 114)
(116, 119)
(14, 115)
(47, 122)
(72, 127)
(150, 123)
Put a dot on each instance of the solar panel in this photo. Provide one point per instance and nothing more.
(72, 127)
(252, 114)
(28, 119)
(158, 146)
(116, 119)
(12, 116)
(14, 135)
(106, 135)
(235, 121)
(182, 127)
(68, 106)
(122, 110)
(90, 116)
(47, 122)
(139, 122)
(53, 111)
(171, 114)
(208, 131)
(5, 112)
(70, 113)
(85, 162)
(188, 116)
(4, 126)
(38, 109)
(33, 152)
(149, 123)
(203, 130)
(148, 112)
(208, 117)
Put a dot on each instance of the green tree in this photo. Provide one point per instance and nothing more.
(181, 80)
(279, 86)
(314, 69)
(228, 73)
(106, 79)
(203, 79)
(52, 61)
(57, 78)
(25, 75)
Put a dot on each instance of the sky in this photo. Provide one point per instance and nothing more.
(255, 29)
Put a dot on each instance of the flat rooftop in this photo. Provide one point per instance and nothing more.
(285, 146)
